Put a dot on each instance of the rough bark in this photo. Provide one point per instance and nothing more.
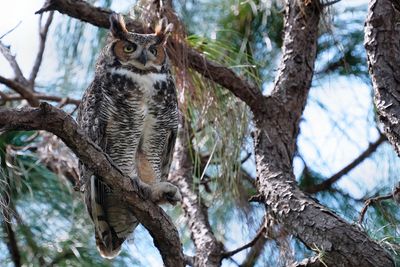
(208, 249)
(54, 120)
(382, 34)
(275, 136)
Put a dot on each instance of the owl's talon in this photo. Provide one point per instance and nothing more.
(165, 192)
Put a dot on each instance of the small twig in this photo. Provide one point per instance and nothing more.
(63, 100)
(371, 201)
(228, 254)
(254, 253)
(246, 158)
(13, 63)
(43, 30)
(8, 32)
(336, 177)
(326, 4)
(20, 89)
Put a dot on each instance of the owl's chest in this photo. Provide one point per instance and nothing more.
(133, 97)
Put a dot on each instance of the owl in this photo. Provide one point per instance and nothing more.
(130, 111)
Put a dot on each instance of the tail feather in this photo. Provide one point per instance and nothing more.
(113, 222)
(106, 251)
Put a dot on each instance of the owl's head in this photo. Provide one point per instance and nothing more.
(143, 51)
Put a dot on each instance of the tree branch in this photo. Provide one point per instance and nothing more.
(325, 185)
(54, 120)
(373, 200)
(11, 30)
(254, 253)
(381, 35)
(13, 63)
(197, 61)
(275, 144)
(259, 234)
(43, 35)
(225, 77)
(208, 249)
(64, 100)
(22, 90)
(79, 9)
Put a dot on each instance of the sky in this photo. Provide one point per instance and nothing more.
(348, 101)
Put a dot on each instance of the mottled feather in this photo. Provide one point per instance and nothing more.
(129, 110)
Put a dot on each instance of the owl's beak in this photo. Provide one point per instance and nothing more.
(143, 58)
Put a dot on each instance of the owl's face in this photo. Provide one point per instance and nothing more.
(143, 51)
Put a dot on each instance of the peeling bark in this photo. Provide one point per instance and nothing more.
(382, 35)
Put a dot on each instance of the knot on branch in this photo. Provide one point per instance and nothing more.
(45, 108)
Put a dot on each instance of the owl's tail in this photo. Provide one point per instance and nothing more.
(105, 241)
(113, 223)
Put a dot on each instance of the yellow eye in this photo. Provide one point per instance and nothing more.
(129, 48)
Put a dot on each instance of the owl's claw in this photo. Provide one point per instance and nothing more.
(165, 192)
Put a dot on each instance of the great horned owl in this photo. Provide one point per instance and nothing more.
(130, 111)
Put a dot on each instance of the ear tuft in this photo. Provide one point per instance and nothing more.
(117, 26)
(163, 29)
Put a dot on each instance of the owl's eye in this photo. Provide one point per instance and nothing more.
(129, 48)
(153, 50)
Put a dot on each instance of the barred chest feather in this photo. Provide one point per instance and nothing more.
(135, 105)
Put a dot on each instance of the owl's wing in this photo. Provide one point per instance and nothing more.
(97, 194)
(168, 154)
(90, 121)
(173, 114)
(89, 113)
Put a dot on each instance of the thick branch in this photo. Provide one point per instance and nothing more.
(382, 33)
(225, 77)
(208, 249)
(275, 137)
(325, 185)
(197, 61)
(51, 119)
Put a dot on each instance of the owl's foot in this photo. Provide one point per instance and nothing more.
(165, 192)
